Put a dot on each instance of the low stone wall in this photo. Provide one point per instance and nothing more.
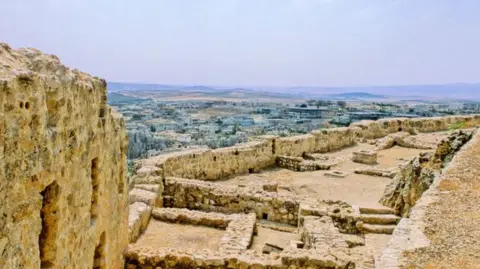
(327, 140)
(212, 197)
(147, 258)
(193, 217)
(378, 172)
(343, 215)
(217, 164)
(138, 218)
(338, 251)
(300, 164)
(239, 228)
(383, 127)
(321, 233)
(288, 162)
(295, 145)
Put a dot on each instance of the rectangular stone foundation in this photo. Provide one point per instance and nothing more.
(365, 157)
(233, 253)
(234, 235)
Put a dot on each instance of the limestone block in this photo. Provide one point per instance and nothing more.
(379, 172)
(336, 173)
(270, 247)
(354, 240)
(365, 157)
(148, 187)
(139, 195)
(138, 218)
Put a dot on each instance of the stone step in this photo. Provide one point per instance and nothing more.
(139, 195)
(376, 210)
(378, 229)
(379, 219)
(148, 187)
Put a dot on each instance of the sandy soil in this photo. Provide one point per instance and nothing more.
(377, 242)
(281, 239)
(162, 234)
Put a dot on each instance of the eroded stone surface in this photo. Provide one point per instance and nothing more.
(439, 230)
(138, 218)
(62, 166)
(417, 175)
(365, 157)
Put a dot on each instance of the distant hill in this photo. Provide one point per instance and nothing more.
(191, 92)
(358, 95)
(120, 86)
(114, 98)
(459, 91)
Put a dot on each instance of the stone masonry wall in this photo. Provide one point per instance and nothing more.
(212, 197)
(220, 163)
(295, 145)
(62, 167)
(325, 246)
(250, 157)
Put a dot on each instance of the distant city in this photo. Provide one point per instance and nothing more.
(163, 118)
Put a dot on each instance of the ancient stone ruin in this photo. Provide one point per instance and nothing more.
(351, 197)
(284, 190)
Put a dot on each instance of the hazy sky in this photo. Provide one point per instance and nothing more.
(254, 42)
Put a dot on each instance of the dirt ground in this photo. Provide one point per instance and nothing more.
(162, 234)
(281, 239)
(377, 242)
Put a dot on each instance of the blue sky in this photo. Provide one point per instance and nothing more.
(255, 42)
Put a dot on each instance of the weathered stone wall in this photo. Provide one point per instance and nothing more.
(239, 228)
(212, 197)
(442, 224)
(62, 167)
(383, 127)
(325, 247)
(300, 164)
(295, 145)
(250, 157)
(327, 140)
(415, 177)
(216, 164)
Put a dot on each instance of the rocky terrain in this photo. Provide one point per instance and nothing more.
(418, 174)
